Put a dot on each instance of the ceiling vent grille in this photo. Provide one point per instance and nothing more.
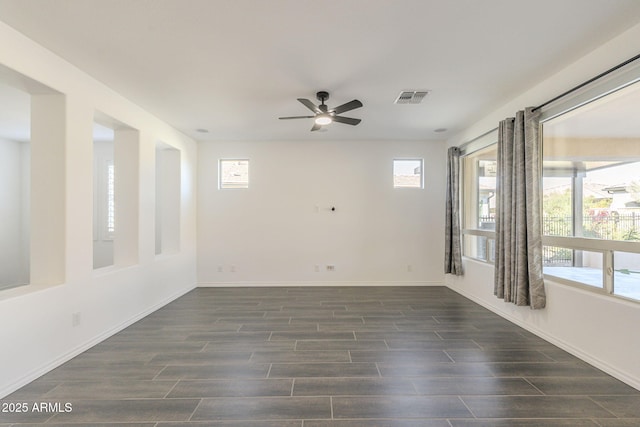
(411, 96)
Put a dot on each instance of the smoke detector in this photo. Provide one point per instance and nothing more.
(411, 96)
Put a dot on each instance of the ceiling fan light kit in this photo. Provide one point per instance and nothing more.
(323, 119)
(323, 115)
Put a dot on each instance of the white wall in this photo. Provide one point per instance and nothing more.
(14, 258)
(281, 228)
(601, 330)
(36, 329)
(167, 200)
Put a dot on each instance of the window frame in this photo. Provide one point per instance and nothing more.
(407, 159)
(608, 248)
(101, 203)
(481, 143)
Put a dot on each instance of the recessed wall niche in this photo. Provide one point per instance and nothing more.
(103, 196)
(116, 157)
(32, 125)
(15, 158)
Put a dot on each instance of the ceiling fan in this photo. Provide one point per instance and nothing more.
(323, 116)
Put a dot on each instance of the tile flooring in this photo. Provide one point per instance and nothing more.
(325, 357)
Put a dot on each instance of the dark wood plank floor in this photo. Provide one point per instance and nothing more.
(325, 357)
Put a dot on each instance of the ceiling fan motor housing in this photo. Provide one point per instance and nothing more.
(322, 95)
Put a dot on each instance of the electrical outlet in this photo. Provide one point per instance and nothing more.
(331, 268)
(232, 269)
(75, 319)
(409, 268)
(220, 269)
(316, 268)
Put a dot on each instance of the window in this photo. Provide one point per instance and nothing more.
(233, 173)
(591, 194)
(407, 173)
(479, 203)
(626, 276)
(590, 190)
(111, 205)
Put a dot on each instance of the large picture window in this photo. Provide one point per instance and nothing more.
(591, 194)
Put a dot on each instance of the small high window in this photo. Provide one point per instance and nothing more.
(407, 173)
(234, 173)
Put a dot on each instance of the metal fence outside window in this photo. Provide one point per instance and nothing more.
(603, 225)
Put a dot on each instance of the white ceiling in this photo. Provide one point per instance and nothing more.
(234, 66)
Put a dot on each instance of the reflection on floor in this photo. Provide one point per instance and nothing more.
(325, 357)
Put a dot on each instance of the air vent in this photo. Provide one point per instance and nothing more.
(411, 96)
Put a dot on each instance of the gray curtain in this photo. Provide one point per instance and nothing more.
(518, 266)
(453, 251)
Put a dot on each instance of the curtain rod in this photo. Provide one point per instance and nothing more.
(580, 86)
(464, 145)
(591, 80)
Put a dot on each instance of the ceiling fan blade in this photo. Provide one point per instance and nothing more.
(316, 127)
(296, 117)
(346, 120)
(352, 105)
(310, 105)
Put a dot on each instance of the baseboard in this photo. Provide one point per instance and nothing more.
(309, 284)
(603, 366)
(38, 372)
